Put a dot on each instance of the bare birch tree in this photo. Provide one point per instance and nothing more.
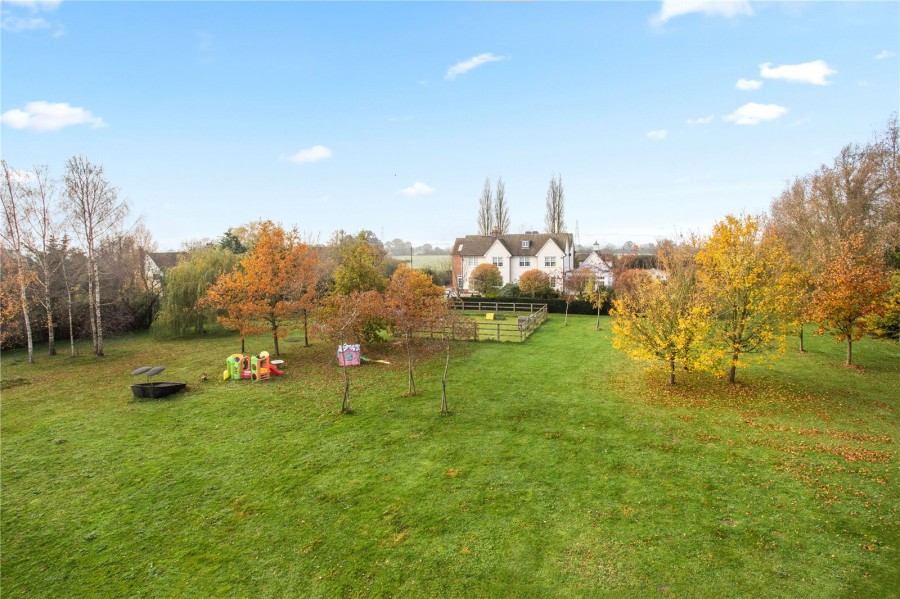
(556, 200)
(41, 242)
(95, 211)
(486, 210)
(501, 209)
(13, 236)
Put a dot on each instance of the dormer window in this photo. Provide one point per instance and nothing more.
(526, 244)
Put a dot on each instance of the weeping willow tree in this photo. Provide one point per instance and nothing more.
(185, 285)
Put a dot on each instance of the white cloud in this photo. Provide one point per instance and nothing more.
(748, 84)
(703, 120)
(35, 5)
(884, 54)
(416, 189)
(461, 68)
(754, 114)
(47, 116)
(313, 154)
(676, 8)
(18, 24)
(657, 135)
(815, 72)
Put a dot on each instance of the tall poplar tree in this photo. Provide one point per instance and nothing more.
(486, 210)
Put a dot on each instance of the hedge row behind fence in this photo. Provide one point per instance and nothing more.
(554, 306)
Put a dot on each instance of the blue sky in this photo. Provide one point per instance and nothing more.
(389, 116)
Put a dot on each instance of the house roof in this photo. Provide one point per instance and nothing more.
(166, 260)
(478, 245)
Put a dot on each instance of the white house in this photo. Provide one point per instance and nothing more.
(601, 269)
(156, 264)
(553, 254)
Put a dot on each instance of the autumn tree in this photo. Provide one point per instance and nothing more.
(11, 316)
(743, 275)
(501, 209)
(231, 298)
(452, 326)
(413, 304)
(887, 324)
(596, 293)
(663, 320)
(186, 284)
(535, 283)
(486, 279)
(343, 319)
(848, 292)
(281, 273)
(358, 268)
(554, 219)
(13, 236)
(95, 211)
(486, 210)
(573, 286)
(859, 192)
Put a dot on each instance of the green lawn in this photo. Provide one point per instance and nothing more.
(565, 470)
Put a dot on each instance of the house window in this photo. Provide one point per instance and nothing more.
(550, 261)
(459, 282)
(526, 244)
(498, 262)
(473, 261)
(524, 261)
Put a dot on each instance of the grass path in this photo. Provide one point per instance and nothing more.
(565, 470)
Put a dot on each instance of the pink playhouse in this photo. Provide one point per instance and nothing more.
(348, 355)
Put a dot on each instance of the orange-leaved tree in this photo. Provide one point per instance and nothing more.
(748, 282)
(235, 309)
(413, 305)
(281, 274)
(535, 283)
(849, 291)
(665, 320)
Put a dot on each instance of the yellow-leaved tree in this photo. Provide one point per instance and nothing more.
(663, 320)
(750, 286)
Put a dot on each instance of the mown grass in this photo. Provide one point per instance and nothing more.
(564, 470)
(435, 263)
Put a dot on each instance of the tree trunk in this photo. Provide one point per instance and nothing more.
(345, 405)
(242, 344)
(409, 362)
(51, 334)
(444, 408)
(671, 372)
(733, 370)
(849, 352)
(71, 325)
(802, 350)
(566, 320)
(23, 296)
(598, 318)
(275, 339)
(305, 328)
(98, 345)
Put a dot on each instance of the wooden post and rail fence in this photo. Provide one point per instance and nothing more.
(500, 328)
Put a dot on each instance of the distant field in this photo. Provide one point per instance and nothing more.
(436, 263)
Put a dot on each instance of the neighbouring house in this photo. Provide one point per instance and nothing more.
(156, 264)
(513, 255)
(594, 262)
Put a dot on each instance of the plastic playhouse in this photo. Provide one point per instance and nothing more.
(255, 368)
(348, 354)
